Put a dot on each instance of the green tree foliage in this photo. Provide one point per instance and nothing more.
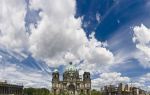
(44, 91)
(95, 92)
(36, 91)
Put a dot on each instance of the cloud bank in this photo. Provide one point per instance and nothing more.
(112, 78)
(15, 74)
(141, 38)
(12, 30)
(59, 37)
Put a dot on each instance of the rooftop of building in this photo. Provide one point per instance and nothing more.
(9, 84)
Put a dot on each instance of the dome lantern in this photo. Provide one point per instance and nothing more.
(70, 67)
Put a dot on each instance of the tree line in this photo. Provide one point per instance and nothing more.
(44, 91)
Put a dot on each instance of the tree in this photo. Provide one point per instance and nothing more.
(36, 91)
(95, 92)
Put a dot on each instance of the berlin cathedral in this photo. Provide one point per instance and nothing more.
(72, 83)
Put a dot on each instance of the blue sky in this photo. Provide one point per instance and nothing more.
(109, 38)
(116, 18)
(114, 15)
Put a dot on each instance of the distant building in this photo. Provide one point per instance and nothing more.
(71, 84)
(10, 89)
(122, 90)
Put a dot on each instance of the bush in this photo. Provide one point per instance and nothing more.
(95, 92)
(36, 91)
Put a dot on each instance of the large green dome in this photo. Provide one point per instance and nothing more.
(70, 67)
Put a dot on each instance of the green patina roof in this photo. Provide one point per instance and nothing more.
(70, 67)
(55, 70)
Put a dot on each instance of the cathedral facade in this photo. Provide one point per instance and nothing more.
(72, 83)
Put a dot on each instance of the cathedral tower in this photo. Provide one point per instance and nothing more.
(87, 82)
(55, 82)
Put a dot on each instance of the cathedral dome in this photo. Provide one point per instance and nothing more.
(70, 67)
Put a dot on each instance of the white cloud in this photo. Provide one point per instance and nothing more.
(145, 78)
(142, 81)
(96, 57)
(59, 32)
(141, 38)
(112, 78)
(12, 29)
(28, 78)
(98, 17)
(57, 39)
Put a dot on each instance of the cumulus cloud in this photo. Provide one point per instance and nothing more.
(57, 39)
(112, 78)
(58, 32)
(59, 36)
(28, 78)
(141, 38)
(12, 29)
(95, 55)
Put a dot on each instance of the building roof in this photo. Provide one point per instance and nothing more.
(5, 84)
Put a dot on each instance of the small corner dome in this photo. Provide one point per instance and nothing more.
(55, 70)
(70, 67)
